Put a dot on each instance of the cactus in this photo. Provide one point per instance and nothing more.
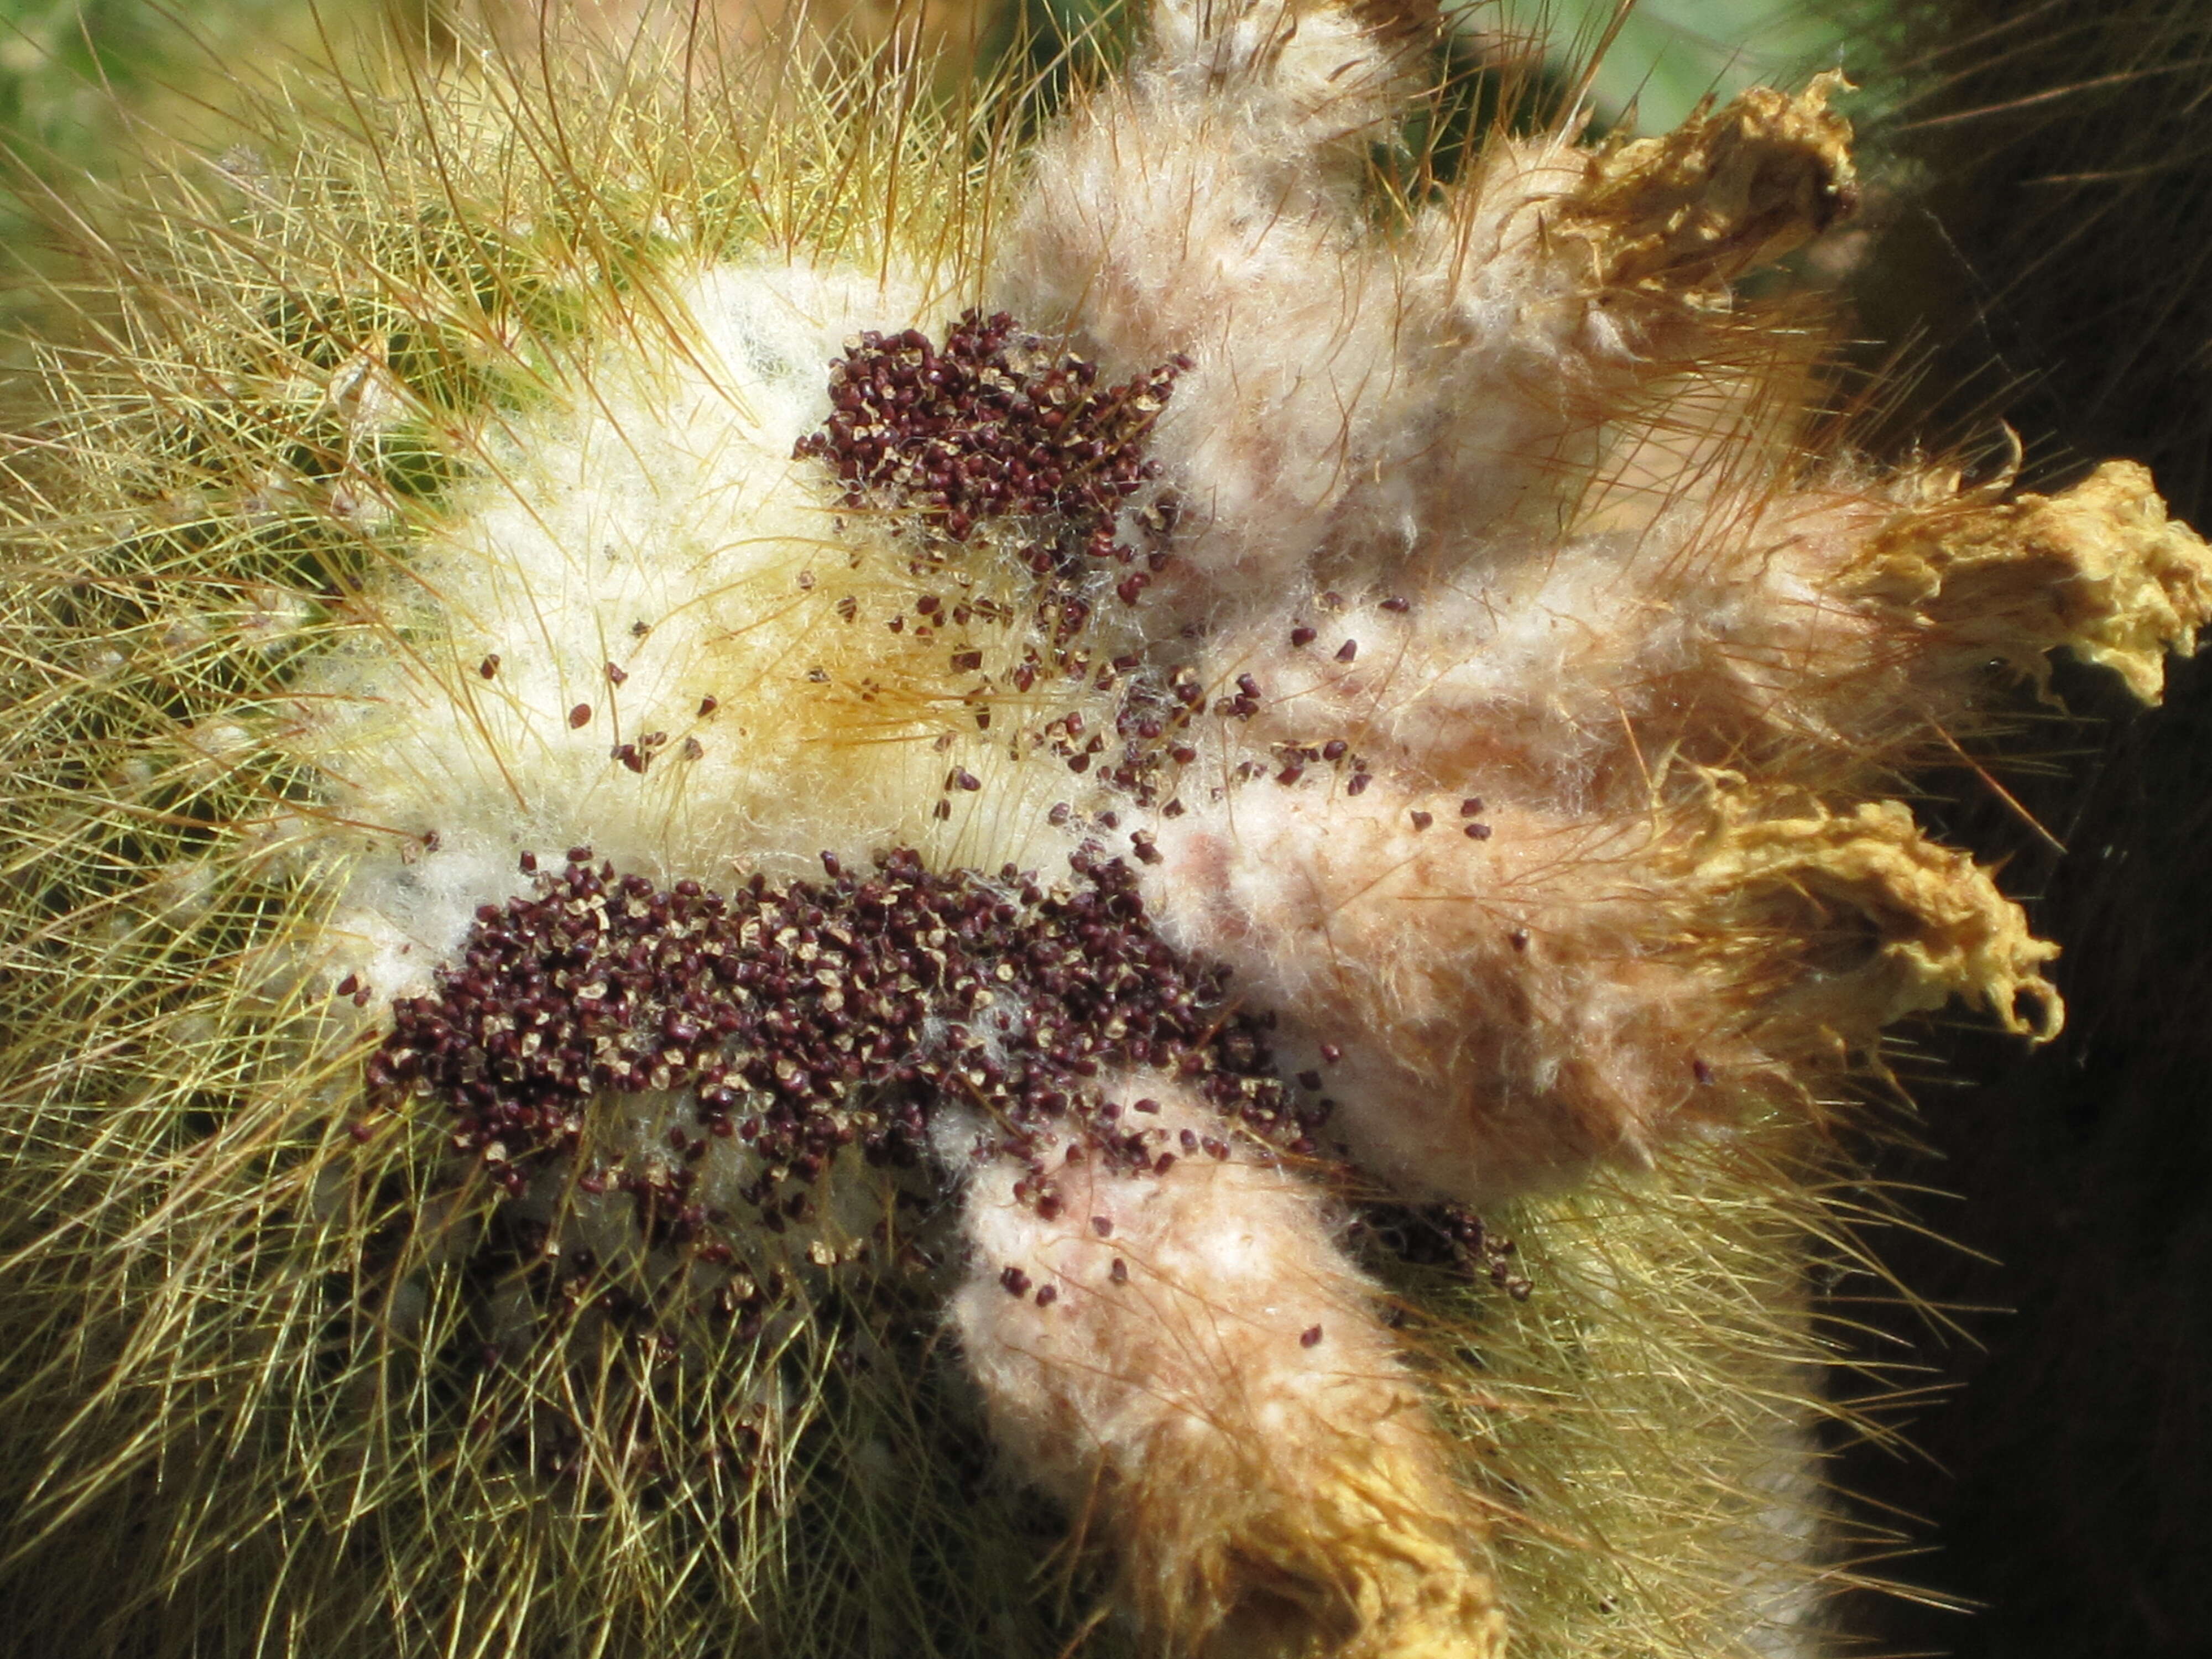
(804, 868)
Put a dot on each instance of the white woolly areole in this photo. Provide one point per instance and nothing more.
(648, 564)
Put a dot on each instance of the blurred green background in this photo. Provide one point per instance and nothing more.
(73, 73)
(1669, 53)
(69, 68)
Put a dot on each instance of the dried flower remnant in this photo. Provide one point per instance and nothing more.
(1015, 1012)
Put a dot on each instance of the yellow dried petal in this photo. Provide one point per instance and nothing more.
(1691, 209)
(2100, 571)
(1936, 923)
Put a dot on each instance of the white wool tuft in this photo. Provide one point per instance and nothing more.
(652, 518)
(1186, 1357)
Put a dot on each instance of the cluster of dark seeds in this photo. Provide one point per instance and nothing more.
(1450, 1236)
(995, 424)
(805, 1018)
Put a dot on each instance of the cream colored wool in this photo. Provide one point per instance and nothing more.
(1201, 1378)
(1580, 687)
(438, 500)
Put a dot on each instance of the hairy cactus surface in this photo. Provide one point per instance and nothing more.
(797, 870)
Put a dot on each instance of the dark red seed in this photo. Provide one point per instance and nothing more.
(616, 676)
(1102, 1225)
(1309, 1337)
(1047, 1295)
(1471, 807)
(1357, 784)
(1347, 651)
(1422, 820)
(489, 666)
(708, 706)
(1477, 832)
(1118, 1273)
(1302, 635)
(580, 715)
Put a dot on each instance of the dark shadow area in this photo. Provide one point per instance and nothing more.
(2052, 229)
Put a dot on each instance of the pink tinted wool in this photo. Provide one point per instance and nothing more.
(1186, 1361)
